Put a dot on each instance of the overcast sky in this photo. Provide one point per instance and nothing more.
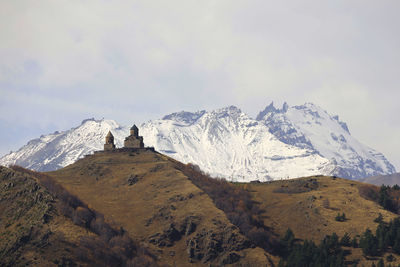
(132, 61)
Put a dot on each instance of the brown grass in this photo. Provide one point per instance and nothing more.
(110, 246)
(311, 215)
(161, 196)
(238, 205)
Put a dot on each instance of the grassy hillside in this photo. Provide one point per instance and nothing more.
(158, 205)
(310, 208)
(182, 217)
(41, 224)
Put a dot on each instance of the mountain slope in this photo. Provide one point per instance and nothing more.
(41, 224)
(390, 179)
(309, 206)
(309, 126)
(281, 143)
(154, 199)
(57, 150)
(227, 143)
(147, 195)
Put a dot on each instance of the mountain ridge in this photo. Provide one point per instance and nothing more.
(285, 142)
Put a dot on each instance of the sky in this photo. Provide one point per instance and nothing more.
(132, 61)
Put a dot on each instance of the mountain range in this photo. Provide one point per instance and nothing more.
(280, 143)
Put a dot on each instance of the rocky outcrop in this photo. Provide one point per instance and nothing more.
(133, 179)
(208, 245)
(174, 232)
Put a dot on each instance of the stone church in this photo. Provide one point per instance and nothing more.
(109, 145)
(132, 141)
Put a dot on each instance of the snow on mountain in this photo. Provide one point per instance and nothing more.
(227, 143)
(281, 143)
(57, 150)
(309, 126)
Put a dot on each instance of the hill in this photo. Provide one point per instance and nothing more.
(41, 224)
(310, 207)
(184, 218)
(144, 192)
(280, 143)
(390, 179)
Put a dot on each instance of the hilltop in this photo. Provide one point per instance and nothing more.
(145, 193)
(179, 216)
(151, 196)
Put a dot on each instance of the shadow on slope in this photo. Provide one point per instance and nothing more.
(34, 232)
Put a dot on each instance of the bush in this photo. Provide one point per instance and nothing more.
(111, 247)
(369, 192)
(386, 196)
(340, 218)
(390, 258)
(237, 204)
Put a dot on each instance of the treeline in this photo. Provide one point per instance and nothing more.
(307, 254)
(237, 204)
(111, 247)
(386, 196)
(385, 239)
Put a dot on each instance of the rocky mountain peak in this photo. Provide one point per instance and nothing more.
(226, 142)
(185, 117)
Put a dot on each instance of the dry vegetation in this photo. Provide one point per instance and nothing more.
(158, 205)
(312, 214)
(237, 204)
(109, 246)
(182, 216)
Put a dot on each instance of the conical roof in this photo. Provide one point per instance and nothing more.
(109, 134)
(134, 127)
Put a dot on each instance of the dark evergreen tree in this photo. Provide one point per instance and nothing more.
(368, 243)
(345, 240)
(378, 219)
(354, 242)
(287, 242)
(384, 198)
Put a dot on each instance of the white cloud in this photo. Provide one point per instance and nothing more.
(142, 59)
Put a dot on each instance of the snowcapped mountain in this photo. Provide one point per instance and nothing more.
(309, 126)
(227, 143)
(59, 149)
(280, 143)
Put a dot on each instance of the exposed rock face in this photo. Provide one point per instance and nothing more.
(309, 126)
(174, 233)
(167, 237)
(133, 179)
(207, 245)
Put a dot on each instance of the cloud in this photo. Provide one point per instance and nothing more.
(138, 60)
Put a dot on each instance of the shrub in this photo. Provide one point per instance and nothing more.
(111, 247)
(340, 218)
(237, 204)
(378, 219)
